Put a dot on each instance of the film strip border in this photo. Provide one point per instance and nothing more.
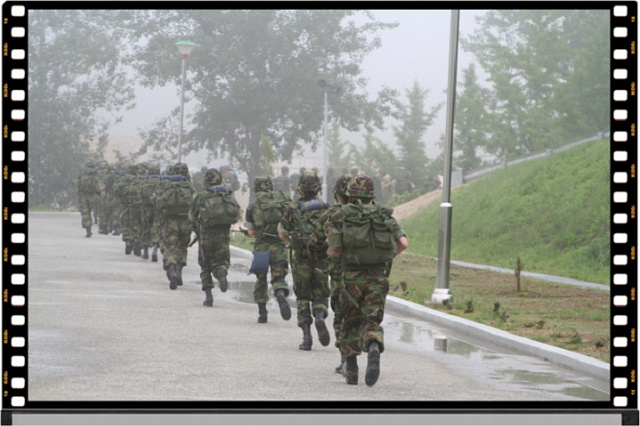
(624, 306)
(14, 189)
(624, 191)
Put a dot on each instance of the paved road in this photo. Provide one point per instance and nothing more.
(106, 326)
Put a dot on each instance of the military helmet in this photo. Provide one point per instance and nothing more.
(360, 187)
(180, 169)
(143, 168)
(212, 177)
(340, 187)
(104, 165)
(309, 182)
(133, 169)
(263, 183)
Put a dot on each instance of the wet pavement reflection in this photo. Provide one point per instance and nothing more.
(498, 367)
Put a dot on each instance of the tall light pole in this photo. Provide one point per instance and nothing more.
(185, 48)
(333, 88)
(442, 292)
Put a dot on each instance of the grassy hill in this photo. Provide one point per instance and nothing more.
(552, 212)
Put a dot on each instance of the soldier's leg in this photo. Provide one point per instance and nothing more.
(171, 237)
(279, 265)
(319, 289)
(337, 315)
(221, 257)
(372, 308)
(349, 342)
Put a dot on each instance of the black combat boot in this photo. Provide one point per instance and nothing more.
(340, 367)
(128, 247)
(117, 230)
(221, 275)
(154, 254)
(102, 229)
(145, 253)
(323, 333)
(306, 337)
(285, 309)
(179, 269)
(172, 273)
(373, 364)
(136, 247)
(88, 234)
(208, 301)
(262, 313)
(350, 370)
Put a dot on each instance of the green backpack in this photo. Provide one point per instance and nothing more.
(89, 181)
(368, 235)
(270, 209)
(176, 197)
(147, 189)
(220, 207)
(309, 213)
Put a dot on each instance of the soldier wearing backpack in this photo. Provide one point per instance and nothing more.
(174, 203)
(213, 211)
(261, 221)
(87, 184)
(365, 238)
(318, 246)
(146, 193)
(310, 283)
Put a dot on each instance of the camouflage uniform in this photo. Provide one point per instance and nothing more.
(175, 235)
(146, 191)
(364, 291)
(278, 263)
(310, 281)
(122, 193)
(214, 256)
(318, 244)
(87, 197)
(111, 207)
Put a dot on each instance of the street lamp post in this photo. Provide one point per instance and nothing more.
(333, 88)
(185, 48)
(442, 293)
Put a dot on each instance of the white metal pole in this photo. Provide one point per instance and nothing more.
(442, 291)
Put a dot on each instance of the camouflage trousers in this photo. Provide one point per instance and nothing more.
(213, 252)
(311, 288)
(146, 223)
(133, 223)
(362, 299)
(85, 204)
(125, 222)
(176, 235)
(110, 212)
(279, 266)
(334, 301)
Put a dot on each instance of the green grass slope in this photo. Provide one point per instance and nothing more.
(552, 212)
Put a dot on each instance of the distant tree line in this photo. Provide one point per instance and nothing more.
(253, 88)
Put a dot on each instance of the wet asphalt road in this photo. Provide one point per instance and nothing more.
(104, 326)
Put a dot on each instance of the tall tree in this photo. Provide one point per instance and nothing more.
(375, 156)
(531, 57)
(77, 86)
(414, 121)
(255, 75)
(472, 120)
(337, 149)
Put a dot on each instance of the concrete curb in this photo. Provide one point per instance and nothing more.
(571, 360)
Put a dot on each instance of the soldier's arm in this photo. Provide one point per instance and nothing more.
(248, 222)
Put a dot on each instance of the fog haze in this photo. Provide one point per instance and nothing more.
(416, 50)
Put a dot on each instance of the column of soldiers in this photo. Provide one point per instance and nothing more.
(341, 255)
